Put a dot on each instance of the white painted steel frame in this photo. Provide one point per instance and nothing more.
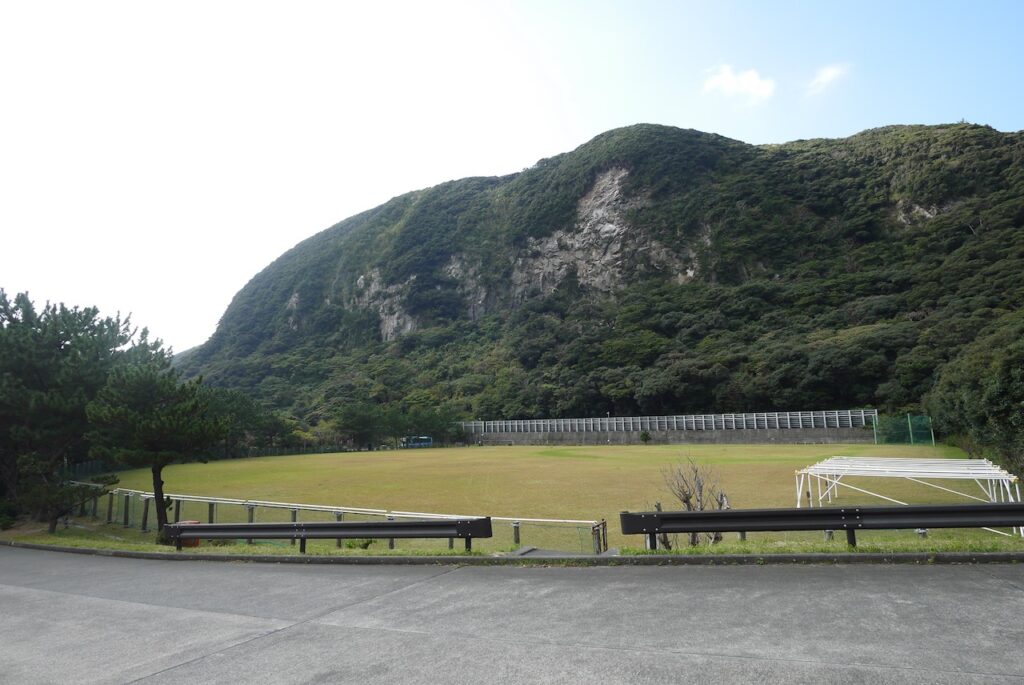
(995, 483)
(838, 418)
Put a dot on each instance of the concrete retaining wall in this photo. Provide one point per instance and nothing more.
(791, 436)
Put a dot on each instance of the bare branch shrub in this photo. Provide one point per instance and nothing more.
(697, 489)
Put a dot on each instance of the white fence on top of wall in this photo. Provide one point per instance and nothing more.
(841, 418)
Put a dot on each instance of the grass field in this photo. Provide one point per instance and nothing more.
(591, 482)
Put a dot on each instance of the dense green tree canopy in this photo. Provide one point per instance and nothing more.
(822, 273)
(53, 361)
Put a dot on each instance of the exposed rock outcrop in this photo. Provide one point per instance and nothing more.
(371, 293)
(601, 249)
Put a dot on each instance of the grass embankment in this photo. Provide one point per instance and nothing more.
(590, 482)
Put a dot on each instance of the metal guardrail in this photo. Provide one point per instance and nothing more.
(123, 499)
(839, 418)
(452, 528)
(850, 519)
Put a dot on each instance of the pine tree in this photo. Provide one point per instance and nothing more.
(52, 363)
(146, 416)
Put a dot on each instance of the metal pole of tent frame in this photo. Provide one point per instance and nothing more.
(1017, 486)
(1008, 497)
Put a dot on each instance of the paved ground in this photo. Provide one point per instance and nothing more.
(75, 618)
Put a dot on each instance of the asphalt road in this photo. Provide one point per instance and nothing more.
(84, 619)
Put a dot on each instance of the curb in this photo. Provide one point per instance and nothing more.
(638, 560)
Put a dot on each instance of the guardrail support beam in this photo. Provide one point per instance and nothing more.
(851, 537)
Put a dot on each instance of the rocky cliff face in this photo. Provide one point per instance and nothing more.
(386, 301)
(602, 250)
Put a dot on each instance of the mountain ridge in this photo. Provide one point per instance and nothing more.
(608, 279)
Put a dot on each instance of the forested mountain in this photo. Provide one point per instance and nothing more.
(652, 270)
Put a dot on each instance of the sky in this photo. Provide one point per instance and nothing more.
(155, 156)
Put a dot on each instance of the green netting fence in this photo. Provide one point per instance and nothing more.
(904, 429)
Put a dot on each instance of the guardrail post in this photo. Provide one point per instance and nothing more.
(251, 511)
(145, 515)
(177, 510)
(851, 537)
(829, 535)
(604, 534)
(451, 543)
(110, 508)
(743, 536)
(652, 541)
(127, 510)
(595, 533)
(469, 544)
(515, 532)
(339, 516)
(211, 512)
(295, 519)
(391, 541)
(302, 545)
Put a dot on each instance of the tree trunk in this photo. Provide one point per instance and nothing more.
(9, 478)
(159, 503)
(52, 529)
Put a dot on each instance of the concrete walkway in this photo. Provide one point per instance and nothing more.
(85, 619)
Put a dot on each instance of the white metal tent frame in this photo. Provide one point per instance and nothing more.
(821, 482)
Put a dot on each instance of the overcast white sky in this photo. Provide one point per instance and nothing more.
(156, 156)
